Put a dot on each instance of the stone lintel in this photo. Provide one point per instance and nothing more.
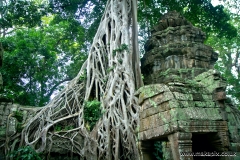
(159, 132)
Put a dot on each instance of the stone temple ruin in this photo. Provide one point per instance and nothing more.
(183, 103)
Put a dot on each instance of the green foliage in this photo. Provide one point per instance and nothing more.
(158, 150)
(59, 128)
(192, 83)
(24, 153)
(92, 113)
(42, 49)
(110, 69)
(120, 61)
(229, 58)
(93, 17)
(18, 115)
(19, 127)
(38, 60)
(84, 75)
(165, 73)
(122, 48)
(66, 128)
(21, 13)
(201, 13)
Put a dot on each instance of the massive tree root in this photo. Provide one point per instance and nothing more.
(112, 74)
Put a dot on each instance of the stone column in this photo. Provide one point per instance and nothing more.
(181, 142)
(224, 136)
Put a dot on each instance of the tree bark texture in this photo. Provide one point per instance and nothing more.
(112, 74)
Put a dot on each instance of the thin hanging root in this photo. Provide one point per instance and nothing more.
(111, 73)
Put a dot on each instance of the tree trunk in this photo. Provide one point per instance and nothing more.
(113, 74)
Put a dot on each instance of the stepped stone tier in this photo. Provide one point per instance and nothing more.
(183, 103)
(175, 43)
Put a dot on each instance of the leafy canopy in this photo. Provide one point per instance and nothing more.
(46, 42)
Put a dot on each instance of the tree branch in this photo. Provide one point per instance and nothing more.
(235, 62)
(56, 85)
(15, 30)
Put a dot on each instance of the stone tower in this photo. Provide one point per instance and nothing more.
(176, 44)
(183, 103)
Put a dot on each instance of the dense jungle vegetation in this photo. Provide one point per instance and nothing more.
(45, 42)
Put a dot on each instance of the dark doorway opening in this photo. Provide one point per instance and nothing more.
(205, 143)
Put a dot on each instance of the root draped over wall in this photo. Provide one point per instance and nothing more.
(110, 75)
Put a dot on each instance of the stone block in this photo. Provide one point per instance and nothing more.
(165, 96)
(155, 120)
(202, 126)
(158, 132)
(220, 96)
(210, 104)
(6, 112)
(213, 114)
(222, 125)
(149, 91)
(207, 97)
(154, 110)
(12, 126)
(197, 96)
(1, 108)
(144, 125)
(200, 104)
(160, 100)
(195, 113)
(184, 104)
(183, 97)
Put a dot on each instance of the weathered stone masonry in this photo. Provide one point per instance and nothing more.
(183, 102)
(12, 119)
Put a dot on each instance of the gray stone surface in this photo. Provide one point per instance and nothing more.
(183, 96)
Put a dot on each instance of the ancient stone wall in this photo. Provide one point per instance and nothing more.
(12, 119)
(184, 99)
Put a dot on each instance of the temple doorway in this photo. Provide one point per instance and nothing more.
(205, 143)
